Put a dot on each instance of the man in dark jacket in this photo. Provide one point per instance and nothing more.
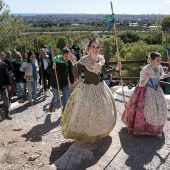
(5, 86)
(7, 61)
(43, 64)
(63, 68)
(76, 48)
(10, 70)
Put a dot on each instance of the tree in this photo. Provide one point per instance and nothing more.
(166, 23)
(158, 22)
(129, 36)
(61, 43)
(10, 28)
(154, 37)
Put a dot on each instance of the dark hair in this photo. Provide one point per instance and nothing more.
(65, 50)
(70, 47)
(93, 39)
(154, 54)
(28, 57)
(43, 46)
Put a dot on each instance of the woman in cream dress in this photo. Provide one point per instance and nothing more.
(90, 113)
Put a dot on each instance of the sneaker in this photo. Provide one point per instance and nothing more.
(19, 98)
(51, 108)
(9, 117)
(35, 101)
(21, 101)
(9, 102)
(29, 101)
(41, 87)
(49, 92)
(24, 97)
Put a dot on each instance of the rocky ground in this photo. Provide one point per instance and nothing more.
(33, 141)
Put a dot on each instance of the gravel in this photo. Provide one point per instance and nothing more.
(34, 131)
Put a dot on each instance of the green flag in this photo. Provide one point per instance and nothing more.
(164, 43)
(49, 43)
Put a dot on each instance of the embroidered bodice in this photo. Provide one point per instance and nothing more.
(156, 75)
(91, 69)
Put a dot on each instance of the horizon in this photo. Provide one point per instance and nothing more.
(82, 14)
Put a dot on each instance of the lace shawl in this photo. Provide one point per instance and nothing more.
(92, 66)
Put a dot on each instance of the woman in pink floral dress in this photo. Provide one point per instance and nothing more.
(146, 111)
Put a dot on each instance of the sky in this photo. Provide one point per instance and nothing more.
(89, 6)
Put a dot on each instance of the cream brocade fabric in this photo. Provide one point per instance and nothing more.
(90, 113)
(155, 108)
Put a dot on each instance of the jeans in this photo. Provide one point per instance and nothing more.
(32, 90)
(46, 77)
(4, 97)
(20, 88)
(65, 91)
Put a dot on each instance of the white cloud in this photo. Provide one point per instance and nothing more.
(167, 2)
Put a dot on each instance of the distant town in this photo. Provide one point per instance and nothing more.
(88, 19)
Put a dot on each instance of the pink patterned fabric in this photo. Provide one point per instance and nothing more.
(134, 116)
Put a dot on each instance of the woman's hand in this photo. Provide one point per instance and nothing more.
(147, 74)
(72, 58)
(119, 66)
(54, 66)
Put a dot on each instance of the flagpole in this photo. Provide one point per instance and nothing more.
(164, 41)
(42, 76)
(58, 88)
(118, 53)
(40, 57)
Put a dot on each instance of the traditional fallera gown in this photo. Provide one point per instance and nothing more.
(146, 110)
(90, 113)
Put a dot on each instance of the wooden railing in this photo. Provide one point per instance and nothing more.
(141, 61)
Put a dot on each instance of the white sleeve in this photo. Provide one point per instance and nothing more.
(161, 72)
(36, 65)
(142, 75)
(22, 67)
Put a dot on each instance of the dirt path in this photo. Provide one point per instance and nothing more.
(33, 141)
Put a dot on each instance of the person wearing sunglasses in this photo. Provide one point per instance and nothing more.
(19, 77)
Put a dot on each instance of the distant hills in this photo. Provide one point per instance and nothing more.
(33, 18)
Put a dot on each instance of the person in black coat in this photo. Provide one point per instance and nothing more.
(76, 48)
(10, 70)
(5, 86)
(63, 68)
(44, 62)
(19, 77)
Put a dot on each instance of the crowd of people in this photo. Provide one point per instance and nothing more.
(146, 110)
(27, 71)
